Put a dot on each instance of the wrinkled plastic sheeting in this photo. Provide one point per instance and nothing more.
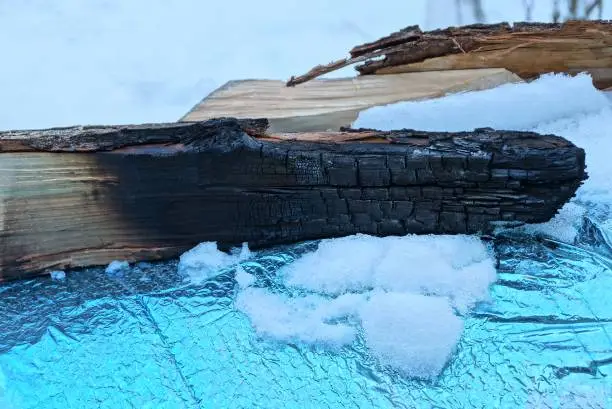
(148, 339)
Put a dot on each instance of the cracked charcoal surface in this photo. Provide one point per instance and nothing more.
(273, 192)
(226, 186)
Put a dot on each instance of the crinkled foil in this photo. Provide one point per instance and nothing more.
(150, 339)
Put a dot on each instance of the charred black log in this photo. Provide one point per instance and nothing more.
(211, 181)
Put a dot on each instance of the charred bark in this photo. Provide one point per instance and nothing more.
(526, 49)
(108, 138)
(183, 184)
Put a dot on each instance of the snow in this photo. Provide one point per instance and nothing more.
(509, 106)
(298, 319)
(117, 267)
(459, 12)
(244, 279)
(413, 333)
(243, 252)
(458, 267)
(57, 275)
(115, 61)
(404, 294)
(563, 227)
(206, 261)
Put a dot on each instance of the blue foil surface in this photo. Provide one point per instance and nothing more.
(150, 339)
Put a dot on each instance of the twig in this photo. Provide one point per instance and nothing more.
(458, 45)
(336, 65)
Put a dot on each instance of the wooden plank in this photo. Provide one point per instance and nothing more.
(175, 185)
(327, 105)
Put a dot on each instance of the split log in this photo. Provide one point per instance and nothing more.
(526, 49)
(77, 197)
(327, 105)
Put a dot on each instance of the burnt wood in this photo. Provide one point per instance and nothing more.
(74, 197)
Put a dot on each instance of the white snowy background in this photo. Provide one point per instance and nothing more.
(132, 61)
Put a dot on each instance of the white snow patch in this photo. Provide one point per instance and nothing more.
(206, 261)
(459, 267)
(331, 270)
(509, 106)
(563, 227)
(298, 319)
(413, 333)
(399, 290)
(243, 253)
(243, 278)
(117, 267)
(57, 275)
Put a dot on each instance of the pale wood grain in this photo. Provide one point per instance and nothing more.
(326, 105)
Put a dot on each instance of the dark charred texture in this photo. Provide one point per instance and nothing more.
(526, 49)
(184, 184)
(410, 33)
(108, 138)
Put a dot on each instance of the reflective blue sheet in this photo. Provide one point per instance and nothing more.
(150, 340)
